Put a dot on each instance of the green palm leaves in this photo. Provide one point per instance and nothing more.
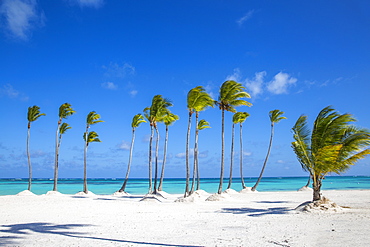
(333, 145)
(32, 115)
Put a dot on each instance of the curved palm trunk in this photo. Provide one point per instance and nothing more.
(29, 158)
(129, 162)
(316, 184)
(187, 158)
(156, 160)
(231, 158)
(164, 160)
(150, 159)
(198, 177)
(267, 156)
(241, 156)
(195, 167)
(85, 167)
(308, 182)
(55, 188)
(222, 153)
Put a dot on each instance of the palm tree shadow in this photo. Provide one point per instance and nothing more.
(258, 212)
(18, 231)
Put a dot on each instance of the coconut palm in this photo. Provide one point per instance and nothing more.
(333, 145)
(155, 114)
(32, 115)
(136, 121)
(203, 124)
(231, 95)
(62, 130)
(275, 117)
(238, 117)
(91, 119)
(197, 100)
(168, 120)
(65, 110)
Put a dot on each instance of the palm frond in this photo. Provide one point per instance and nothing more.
(64, 127)
(65, 110)
(34, 113)
(275, 116)
(137, 120)
(93, 118)
(203, 124)
(240, 117)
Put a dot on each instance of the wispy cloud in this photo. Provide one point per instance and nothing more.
(119, 71)
(89, 3)
(133, 93)
(124, 146)
(109, 85)
(255, 85)
(280, 83)
(245, 18)
(8, 91)
(21, 16)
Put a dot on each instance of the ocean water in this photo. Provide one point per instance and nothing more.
(177, 186)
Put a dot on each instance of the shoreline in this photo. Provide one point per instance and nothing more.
(240, 219)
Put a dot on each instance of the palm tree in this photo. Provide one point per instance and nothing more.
(168, 120)
(231, 95)
(275, 117)
(197, 100)
(333, 145)
(203, 124)
(62, 130)
(154, 114)
(136, 121)
(91, 119)
(32, 115)
(65, 110)
(238, 117)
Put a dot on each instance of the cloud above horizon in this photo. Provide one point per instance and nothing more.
(9, 91)
(280, 83)
(245, 18)
(21, 16)
(89, 3)
(109, 85)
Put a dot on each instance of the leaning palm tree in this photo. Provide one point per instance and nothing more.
(231, 95)
(238, 117)
(203, 124)
(136, 121)
(62, 130)
(275, 117)
(65, 110)
(32, 115)
(333, 145)
(197, 100)
(155, 114)
(91, 119)
(168, 120)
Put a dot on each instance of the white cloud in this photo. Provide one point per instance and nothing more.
(236, 76)
(280, 83)
(124, 145)
(119, 71)
(133, 93)
(246, 17)
(255, 86)
(12, 93)
(183, 155)
(90, 3)
(109, 85)
(21, 16)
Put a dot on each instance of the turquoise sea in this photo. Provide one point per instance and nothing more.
(177, 186)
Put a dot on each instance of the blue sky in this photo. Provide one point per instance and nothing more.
(112, 57)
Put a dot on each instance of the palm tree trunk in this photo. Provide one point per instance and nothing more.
(85, 167)
(267, 156)
(187, 158)
(129, 162)
(29, 158)
(156, 160)
(232, 157)
(56, 158)
(164, 160)
(198, 177)
(241, 156)
(308, 182)
(195, 152)
(222, 153)
(150, 159)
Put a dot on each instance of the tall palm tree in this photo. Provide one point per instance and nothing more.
(333, 145)
(136, 121)
(238, 117)
(203, 124)
(62, 130)
(32, 115)
(197, 100)
(155, 114)
(275, 117)
(91, 119)
(65, 110)
(168, 120)
(231, 95)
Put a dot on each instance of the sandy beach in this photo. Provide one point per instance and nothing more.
(240, 219)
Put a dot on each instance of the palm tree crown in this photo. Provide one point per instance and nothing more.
(231, 94)
(34, 113)
(65, 110)
(240, 117)
(93, 118)
(275, 116)
(198, 100)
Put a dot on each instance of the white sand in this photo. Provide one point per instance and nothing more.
(242, 219)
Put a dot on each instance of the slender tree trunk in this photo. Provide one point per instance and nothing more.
(195, 153)
(85, 159)
(164, 160)
(317, 182)
(241, 156)
(232, 157)
(198, 177)
(187, 158)
(267, 156)
(156, 160)
(308, 182)
(129, 162)
(150, 159)
(29, 157)
(55, 188)
(222, 153)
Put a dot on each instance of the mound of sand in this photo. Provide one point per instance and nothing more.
(25, 193)
(305, 188)
(196, 196)
(81, 193)
(230, 191)
(218, 197)
(247, 190)
(53, 193)
(123, 193)
(323, 205)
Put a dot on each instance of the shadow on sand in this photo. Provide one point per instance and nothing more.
(18, 231)
(257, 212)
